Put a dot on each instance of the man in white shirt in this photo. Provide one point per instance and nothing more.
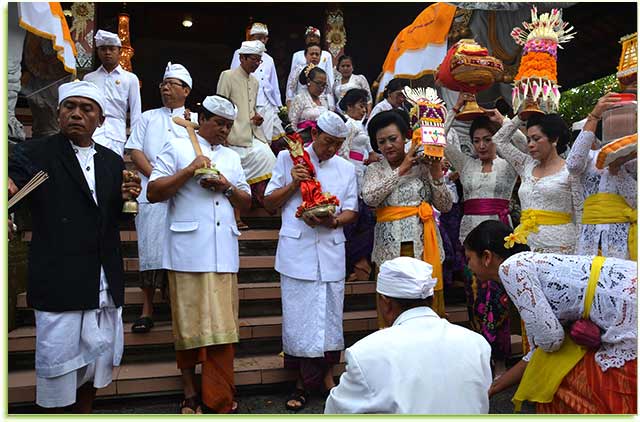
(201, 253)
(393, 98)
(311, 258)
(147, 138)
(268, 99)
(421, 364)
(121, 91)
(312, 36)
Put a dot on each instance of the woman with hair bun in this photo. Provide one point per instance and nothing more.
(310, 103)
(547, 222)
(580, 314)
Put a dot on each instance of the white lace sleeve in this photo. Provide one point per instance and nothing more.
(377, 185)
(632, 168)
(519, 277)
(292, 83)
(506, 150)
(440, 194)
(452, 150)
(295, 111)
(519, 140)
(579, 155)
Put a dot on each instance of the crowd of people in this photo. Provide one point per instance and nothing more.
(567, 262)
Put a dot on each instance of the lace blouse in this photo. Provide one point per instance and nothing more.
(383, 187)
(294, 87)
(355, 81)
(548, 290)
(498, 183)
(549, 193)
(611, 238)
(303, 108)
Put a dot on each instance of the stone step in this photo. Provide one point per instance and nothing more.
(246, 291)
(138, 378)
(245, 235)
(164, 377)
(23, 339)
(246, 262)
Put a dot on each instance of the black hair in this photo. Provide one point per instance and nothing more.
(206, 114)
(554, 128)
(483, 122)
(304, 78)
(342, 58)
(394, 85)
(397, 117)
(313, 44)
(406, 304)
(489, 236)
(352, 97)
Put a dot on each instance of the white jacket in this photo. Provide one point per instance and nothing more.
(202, 235)
(421, 365)
(306, 253)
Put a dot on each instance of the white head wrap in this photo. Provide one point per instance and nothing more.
(259, 29)
(311, 31)
(406, 278)
(81, 89)
(107, 38)
(252, 47)
(332, 124)
(178, 71)
(220, 106)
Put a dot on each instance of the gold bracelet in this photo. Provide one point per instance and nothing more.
(593, 116)
(437, 182)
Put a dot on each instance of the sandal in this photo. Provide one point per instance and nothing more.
(300, 396)
(191, 406)
(142, 325)
(234, 408)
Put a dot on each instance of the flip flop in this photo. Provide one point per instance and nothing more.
(300, 396)
(191, 406)
(142, 325)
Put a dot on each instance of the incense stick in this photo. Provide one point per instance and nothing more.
(36, 181)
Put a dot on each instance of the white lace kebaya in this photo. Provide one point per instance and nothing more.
(548, 291)
(548, 193)
(610, 238)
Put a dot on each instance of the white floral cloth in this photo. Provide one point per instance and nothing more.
(548, 290)
(303, 108)
(611, 238)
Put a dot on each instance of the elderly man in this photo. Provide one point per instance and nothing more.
(147, 138)
(246, 137)
(76, 275)
(121, 92)
(201, 253)
(311, 258)
(268, 99)
(421, 363)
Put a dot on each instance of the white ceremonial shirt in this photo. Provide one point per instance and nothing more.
(383, 105)
(326, 63)
(421, 365)
(306, 253)
(268, 88)
(121, 92)
(150, 134)
(202, 234)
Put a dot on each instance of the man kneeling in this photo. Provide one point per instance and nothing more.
(421, 363)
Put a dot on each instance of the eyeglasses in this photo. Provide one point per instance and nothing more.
(320, 84)
(163, 83)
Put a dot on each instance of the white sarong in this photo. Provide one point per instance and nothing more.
(271, 126)
(311, 316)
(257, 161)
(151, 226)
(75, 347)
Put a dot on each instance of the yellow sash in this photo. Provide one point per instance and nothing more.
(431, 253)
(530, 222)
(545, 371)
(607, 208)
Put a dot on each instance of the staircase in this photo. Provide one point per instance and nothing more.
(148, 366)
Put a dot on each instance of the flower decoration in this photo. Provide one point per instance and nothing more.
(537, 78)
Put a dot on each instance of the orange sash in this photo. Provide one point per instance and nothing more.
(431, 252)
